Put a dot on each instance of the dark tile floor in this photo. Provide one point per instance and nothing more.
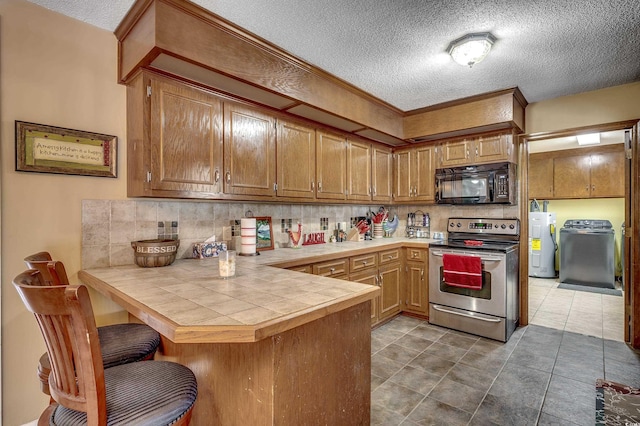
(428, 375)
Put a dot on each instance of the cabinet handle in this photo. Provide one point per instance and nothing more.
(422, 274)
(332, 270)
(381, 280)
(216, 176)
(375, 192)
(467, 153)
(377, 281)
(414, 255)
(313, 186)
(364, 262)
(593, 187)
(390, 257)
(319, 186)
(228, 177)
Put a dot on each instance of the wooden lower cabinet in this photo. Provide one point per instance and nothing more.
(403, 284)
(390, 279)
(416, 282)
(369, 276)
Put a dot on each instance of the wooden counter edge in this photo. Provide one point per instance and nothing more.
(225, 333)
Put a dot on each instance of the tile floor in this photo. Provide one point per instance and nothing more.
(592, 314)
(428, 375)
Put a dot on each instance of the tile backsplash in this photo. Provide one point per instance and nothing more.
(109, 226)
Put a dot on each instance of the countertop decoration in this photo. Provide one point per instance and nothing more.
(295, 237)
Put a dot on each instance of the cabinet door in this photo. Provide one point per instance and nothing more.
(417, 293)
(424, 179)
(331, 166)
(571, 177)
(607, 174)
(369, 277)
(359, 171)
(389, 278)
(490, 149)
(185, 138)
(540, 177)
(457, 153)
(249, 151)
(296, 148)
(403, 185)
(382, 174)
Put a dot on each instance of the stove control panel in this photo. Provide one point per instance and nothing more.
(484, 226)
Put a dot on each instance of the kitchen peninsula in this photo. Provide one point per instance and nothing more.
(269, 346)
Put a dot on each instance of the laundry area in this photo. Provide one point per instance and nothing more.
(577, 243)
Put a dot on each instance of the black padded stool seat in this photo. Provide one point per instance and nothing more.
(125, 343)
(128, 386)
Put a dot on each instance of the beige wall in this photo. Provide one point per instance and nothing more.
(618, 103)
(61, 72)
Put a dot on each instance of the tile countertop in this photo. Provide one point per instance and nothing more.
(188, 302)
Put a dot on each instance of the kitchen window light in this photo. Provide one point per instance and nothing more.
(470, 49)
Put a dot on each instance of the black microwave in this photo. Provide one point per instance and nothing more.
(482, 184)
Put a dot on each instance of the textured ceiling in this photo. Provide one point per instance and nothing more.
(396, 50)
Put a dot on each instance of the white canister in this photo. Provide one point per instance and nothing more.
(248, 235)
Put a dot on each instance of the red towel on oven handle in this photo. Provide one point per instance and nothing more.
(462, 271)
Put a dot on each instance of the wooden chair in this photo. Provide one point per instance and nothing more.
(140, 393)
(119, 343)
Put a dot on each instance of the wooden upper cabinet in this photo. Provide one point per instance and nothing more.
(415, 174)
(540, 176)
(571, 177)
(607, 174)
(359, 170)
(381, 174)
(425, 173)
(296, 148)
(179, 152)
(403, 175)
(331, 166)
(478, 150)
(249, 151)
(457, 153)
(596, 172)
(494, 148)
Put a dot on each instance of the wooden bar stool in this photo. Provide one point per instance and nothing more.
(140, 393)
(119, 343)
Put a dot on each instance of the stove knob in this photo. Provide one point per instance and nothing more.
(512, 226)
(503, 226)
(459, 225)
(451, 225)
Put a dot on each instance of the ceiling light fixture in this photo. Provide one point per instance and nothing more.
(472, 48)
(588, 139)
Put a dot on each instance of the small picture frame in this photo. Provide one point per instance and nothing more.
(48, 149)
(264, 233)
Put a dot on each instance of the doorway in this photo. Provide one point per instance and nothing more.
(557, 156)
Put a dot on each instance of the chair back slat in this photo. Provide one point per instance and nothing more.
(65, 317)
(53, 271)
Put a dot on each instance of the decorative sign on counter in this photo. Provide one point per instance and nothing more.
(49, 149)
(313, 238)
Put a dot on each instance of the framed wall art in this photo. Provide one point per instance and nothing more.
(264, 233)
(48, 149)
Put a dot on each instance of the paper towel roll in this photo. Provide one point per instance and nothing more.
(248, 234)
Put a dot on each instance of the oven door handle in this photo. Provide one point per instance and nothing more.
(484, 259)
(441, 309)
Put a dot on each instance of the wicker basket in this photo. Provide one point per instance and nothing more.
(153, 253)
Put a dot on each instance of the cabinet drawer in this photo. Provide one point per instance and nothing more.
(388, 256)
(332, 268)
(302, 268)
(365, 261)
(418, 255)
